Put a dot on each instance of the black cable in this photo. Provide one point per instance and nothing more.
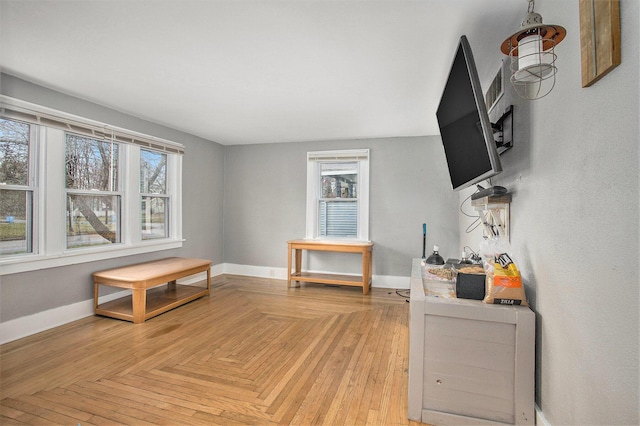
(477, 220)
(472, 251)
(474, 254)
(462, 204)
(402, 295)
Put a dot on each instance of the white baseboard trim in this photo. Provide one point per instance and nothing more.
(42, 321)
(378, 281)
(255, 271)
(31, 324)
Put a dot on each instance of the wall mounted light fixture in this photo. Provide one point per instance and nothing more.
(533, 69)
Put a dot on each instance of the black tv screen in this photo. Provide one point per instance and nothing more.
(465, 128)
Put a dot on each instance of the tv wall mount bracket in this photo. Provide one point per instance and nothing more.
(503, 130)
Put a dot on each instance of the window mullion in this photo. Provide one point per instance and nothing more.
(54, 194)
(18, 187)
(174, 188)
(131, 210)
(150, 194)
(92, 192)
(39, 178)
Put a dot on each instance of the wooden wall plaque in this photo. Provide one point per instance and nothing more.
(599, 38)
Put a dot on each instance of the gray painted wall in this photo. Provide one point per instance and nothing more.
(574, 175)
(265, 203)
(575, 229)
(32, 292)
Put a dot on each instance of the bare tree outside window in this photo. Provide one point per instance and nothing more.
(14, 152)
(93, 205)
(153, 191)
(16, 197)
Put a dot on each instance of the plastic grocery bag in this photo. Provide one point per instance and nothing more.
(503, 282)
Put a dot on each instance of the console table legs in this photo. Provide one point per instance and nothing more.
(296, 247)
(366, 271)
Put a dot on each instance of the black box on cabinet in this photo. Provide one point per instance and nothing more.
(470, 286)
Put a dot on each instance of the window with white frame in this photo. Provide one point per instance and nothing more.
(92, 192)
(338, 194)
(108, 191)
(153, 193)
(17, 187)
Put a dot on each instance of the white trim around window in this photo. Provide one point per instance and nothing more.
(49, 215)
(314, 160)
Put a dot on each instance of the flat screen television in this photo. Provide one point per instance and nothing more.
(465, 128)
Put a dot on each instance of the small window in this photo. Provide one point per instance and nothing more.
(338, 203)
(17, 193)
(337, 194)
(154, 195)
(93, 200)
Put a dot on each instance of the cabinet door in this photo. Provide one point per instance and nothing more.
(469, 367)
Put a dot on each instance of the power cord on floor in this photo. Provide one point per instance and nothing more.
(406, 296)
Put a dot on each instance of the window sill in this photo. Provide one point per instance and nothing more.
(28, 263)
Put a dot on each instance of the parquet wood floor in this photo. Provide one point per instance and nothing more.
(253, 353)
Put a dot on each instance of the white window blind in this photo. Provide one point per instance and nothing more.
(338, 218)
(24, 111)
(343, 155)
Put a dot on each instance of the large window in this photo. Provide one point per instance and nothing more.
(338, 194)
(74, 190)
(16, 187)
(93, 196)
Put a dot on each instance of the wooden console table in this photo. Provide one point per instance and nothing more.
(148, 299)
(365, 248)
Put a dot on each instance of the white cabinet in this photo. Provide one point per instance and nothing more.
(469, 362)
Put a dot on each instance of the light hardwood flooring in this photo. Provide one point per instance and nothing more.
(252, 353)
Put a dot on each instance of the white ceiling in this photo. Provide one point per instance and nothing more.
(243, 72)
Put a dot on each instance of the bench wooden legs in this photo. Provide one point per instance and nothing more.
(139, 296)
(145, 281)
(95, 296)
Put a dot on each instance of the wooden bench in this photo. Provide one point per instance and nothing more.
(149, 298)
(363, 247)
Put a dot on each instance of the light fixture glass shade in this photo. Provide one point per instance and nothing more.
(533, 63)
(532, 53)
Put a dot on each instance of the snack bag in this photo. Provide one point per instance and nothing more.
(503, 282)
(439, 272)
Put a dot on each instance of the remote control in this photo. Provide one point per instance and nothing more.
(494, 191)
